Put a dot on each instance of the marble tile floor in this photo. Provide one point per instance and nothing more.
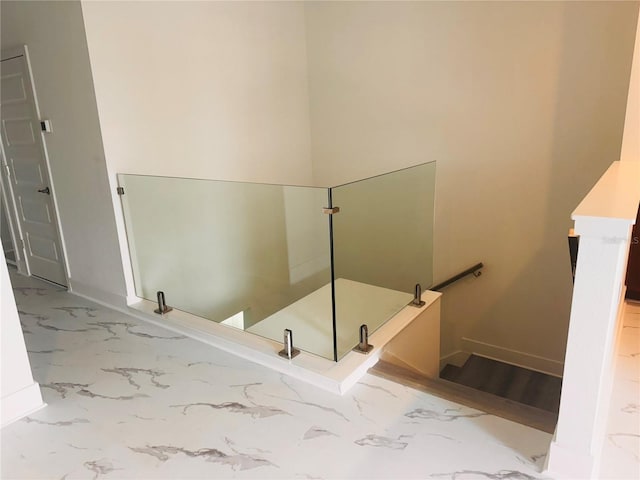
(621, 450)
(130, 400)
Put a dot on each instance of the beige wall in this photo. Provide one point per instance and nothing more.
(631, 138)
(202, 89)
(212, 90)
(522, 106)
(521, 103)
(383, 233)
(54, 34)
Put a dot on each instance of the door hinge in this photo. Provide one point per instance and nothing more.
(120, 190)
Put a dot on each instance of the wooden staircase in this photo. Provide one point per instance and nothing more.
(515, 383)
(517, 394)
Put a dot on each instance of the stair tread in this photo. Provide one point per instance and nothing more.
(493, 404)
(509, 381)
(450, 372)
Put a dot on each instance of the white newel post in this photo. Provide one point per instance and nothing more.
(20, 394)
(603, 221)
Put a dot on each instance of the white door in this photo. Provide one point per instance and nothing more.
(27, 173)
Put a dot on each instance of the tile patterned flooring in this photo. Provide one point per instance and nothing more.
(130, 400)
(621, 451)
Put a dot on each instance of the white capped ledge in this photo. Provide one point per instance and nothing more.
(310, 317)
(336, 377)
(615, 196)
(603, 220)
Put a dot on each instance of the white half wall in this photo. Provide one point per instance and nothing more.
(603, 220)
(54, 34)
(20, 394)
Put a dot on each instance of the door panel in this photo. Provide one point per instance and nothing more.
(19, 131)
(42, 248)
(27, 172)
(35, 212)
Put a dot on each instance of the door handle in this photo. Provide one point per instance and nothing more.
(45, 190)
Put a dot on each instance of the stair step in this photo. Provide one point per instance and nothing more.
(495, 405)
(509, 381)
(450, 372)
(478, 372)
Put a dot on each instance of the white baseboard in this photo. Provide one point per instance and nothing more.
(19, 404)
(457, 358)
(97, 295)
(513, 357)
(309, 268)
(563, 463)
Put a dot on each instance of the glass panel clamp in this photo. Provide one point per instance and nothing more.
(162, 305)
(417, 297)
(363, 346)
(288, 351)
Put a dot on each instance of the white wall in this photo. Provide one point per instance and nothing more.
(202, 89)
(212, 90)
(604, 221)
(521, 103)
(54, 33)
(631, 138)
(522, 106)
(20, 394)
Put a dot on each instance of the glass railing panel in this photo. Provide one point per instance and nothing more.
(383, 246)
(251, 256)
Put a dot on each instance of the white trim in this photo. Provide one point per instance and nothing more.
(47, 173)
(513, 357)
(99, 296)
(609, 371)
(613, 200)
(335, 377)
(121, 229)
(19, 404)
(457, 358)
(23, 264)
(11, 212)
(565, 463)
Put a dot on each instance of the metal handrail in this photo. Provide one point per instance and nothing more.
(475, 271)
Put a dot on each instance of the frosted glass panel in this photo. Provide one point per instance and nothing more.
(383, 246)
(234, 253)
(257, 257)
